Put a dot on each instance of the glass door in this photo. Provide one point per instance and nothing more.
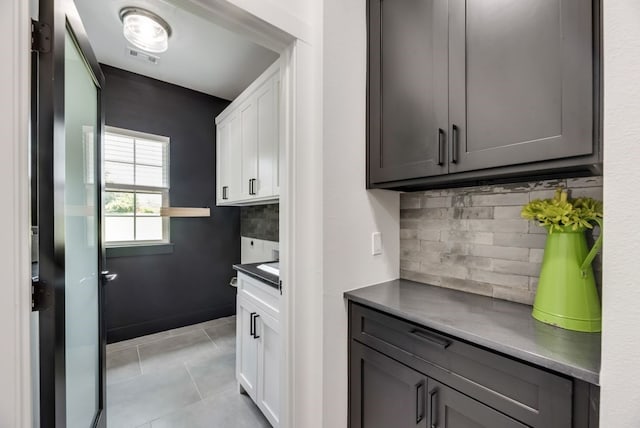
(82, 346)
(68, 198)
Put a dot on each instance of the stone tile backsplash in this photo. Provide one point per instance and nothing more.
(473, 238)
(261, 222)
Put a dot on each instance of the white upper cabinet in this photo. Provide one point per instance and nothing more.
(248, 144)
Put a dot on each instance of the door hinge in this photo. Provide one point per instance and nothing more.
(40, 37)
(40, 295)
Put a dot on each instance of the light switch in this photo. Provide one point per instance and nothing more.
(376, 243)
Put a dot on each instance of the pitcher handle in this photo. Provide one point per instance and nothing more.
(593, 252)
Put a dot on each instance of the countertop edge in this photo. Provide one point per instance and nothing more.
(251, 270)
(546, 363)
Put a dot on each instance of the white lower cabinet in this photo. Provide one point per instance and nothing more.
(258, 341)
(269, 368)
(247, 349)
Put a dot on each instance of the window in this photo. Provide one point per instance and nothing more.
(136, 170)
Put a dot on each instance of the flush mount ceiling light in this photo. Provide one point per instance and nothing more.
(145, 29)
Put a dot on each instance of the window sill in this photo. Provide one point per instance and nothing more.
(139, 250)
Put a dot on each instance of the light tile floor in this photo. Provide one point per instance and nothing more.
(178, 378)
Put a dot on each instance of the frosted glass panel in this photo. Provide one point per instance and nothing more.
(81, 251)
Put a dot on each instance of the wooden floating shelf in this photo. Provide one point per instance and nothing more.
(185, 212)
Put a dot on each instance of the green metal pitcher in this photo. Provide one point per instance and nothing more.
(567, 296)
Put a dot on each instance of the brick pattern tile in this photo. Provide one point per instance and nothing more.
(473, 238)
(260, 222)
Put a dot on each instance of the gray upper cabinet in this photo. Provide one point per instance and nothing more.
(469, 90)
(521, 81)
(408, 88)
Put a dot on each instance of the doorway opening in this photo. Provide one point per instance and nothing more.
(172, 235)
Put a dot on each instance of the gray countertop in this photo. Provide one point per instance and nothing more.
(502, 326)
(252, 270)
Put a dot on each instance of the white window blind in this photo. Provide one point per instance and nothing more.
(136, 170)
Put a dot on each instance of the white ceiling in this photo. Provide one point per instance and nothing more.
(201, 55)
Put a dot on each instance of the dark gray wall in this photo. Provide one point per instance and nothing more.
(189, 285)
(261, 222)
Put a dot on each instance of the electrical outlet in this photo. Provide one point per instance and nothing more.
(376, 243)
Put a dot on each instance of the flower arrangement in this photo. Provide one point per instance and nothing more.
(560, 212)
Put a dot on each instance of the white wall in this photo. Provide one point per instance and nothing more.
(15, 299)
(620, 375)
(350, 212)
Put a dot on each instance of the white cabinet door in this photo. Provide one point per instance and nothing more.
(249, 143)
(235, 159)
(269, 351)
(267, 126)
(228, 161)
(246, 348)
(279, 123)
(223, 164)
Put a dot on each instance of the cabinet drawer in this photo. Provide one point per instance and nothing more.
(531, 395)
(261, 294)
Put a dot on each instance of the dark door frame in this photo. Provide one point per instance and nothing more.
(60, 16)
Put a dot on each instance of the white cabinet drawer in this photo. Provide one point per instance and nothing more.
(261, 294)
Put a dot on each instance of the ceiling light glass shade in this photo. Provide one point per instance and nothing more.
(145, 30)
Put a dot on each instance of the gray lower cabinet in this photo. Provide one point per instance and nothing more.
(387, 393)
(451, 409)
(404, 375)
(468, 90)
(392, 395)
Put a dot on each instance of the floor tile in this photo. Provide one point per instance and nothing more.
(218, 321)
(117, 346)
(224, 336)
(186, 329)
(122, 365)
(232, 410)
(175, 350)
(214, 375)
(139, 400)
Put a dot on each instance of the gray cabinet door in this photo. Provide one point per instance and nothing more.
(450, 409)
(408, 81)
(384, 393)
(521, 81)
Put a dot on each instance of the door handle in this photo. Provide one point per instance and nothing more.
(432, 339)
(454, 143)
(255, 329)
(252, 186)
(441, 140)
(433, 422)
(107, 276)
(252, 326)
(224, 192)
(420, 405)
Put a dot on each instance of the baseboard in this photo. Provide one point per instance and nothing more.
(154, 326)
